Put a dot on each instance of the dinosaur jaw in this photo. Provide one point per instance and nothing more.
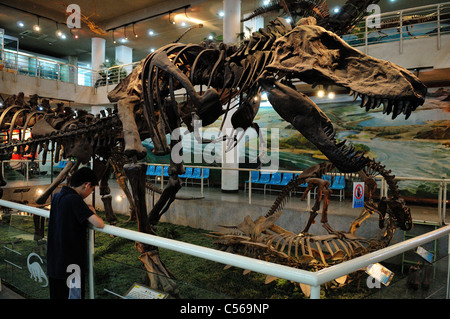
(317, 56)
(312, 123)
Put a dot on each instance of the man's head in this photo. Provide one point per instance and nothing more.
(84, 181)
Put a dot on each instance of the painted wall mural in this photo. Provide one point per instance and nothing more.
(416, 147)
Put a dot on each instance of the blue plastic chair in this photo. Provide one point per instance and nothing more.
(254, 178)
(187, 173)
(275, 180)
(158, 171)
(206, 175)
(150, 170)
(263, 180)
(336, 183)
(61, 164)
(286, 178)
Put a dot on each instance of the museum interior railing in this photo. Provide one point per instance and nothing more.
(408, 24)
(23, 265)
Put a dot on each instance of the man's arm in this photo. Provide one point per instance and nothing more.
(95, 219)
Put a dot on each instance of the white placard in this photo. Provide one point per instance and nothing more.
(138, 291)
(380, 273)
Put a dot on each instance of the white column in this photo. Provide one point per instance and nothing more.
(231, 26)
(231, 20)
(124, 55)
(97, 52)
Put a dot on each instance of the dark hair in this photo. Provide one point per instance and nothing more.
(83, 175)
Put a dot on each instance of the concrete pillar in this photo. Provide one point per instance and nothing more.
(231, 20)
(97, 52)
(73, 74)
(124, 55)
(231, 27)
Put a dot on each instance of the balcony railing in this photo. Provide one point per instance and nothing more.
(400, 26)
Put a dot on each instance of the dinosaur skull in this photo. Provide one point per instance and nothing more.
(397, 211)
(316, 56)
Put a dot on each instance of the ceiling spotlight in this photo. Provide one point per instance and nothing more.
(210, 37)
(150, 32)
(152, 50)
(336, 10)
(73, 34)
(20, 24)
(331, 95)
(266, 2)
(321, 93)
(135, 35)
(114, 40)
(170, 21)
(288, 20)
(36, 27)
(183, 24)
(221, 14)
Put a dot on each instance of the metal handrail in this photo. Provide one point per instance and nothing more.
(314, 279)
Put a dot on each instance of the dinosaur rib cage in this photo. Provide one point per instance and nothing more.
(56, 131)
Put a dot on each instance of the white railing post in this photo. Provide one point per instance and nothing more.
(366, 37)
(401, 31)
(440, 197)
(91, 262)
(249, 187)
(315, 292)
(439, 26)
(201, 182)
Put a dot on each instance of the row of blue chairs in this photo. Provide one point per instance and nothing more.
(192, 174)
(267, 180)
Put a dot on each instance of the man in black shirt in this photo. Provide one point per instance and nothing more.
(67, 233)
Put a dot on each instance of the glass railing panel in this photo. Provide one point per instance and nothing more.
(23, 256)
(423, 280)
(115, 280)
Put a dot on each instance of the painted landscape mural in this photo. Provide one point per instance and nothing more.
(416, 147)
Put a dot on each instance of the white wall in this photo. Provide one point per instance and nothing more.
(416, 53)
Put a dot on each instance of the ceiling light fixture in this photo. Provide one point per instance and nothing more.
(20, 24)
(173, 22)
(125, 32)
(36, 27)
(73, 34)
(114, 40)
(221, 14)
(135, 35)
(58, 32)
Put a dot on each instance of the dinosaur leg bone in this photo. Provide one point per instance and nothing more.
(58, 180)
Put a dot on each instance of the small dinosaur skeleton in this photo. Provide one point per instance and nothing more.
(234, 77)
(262, 239)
